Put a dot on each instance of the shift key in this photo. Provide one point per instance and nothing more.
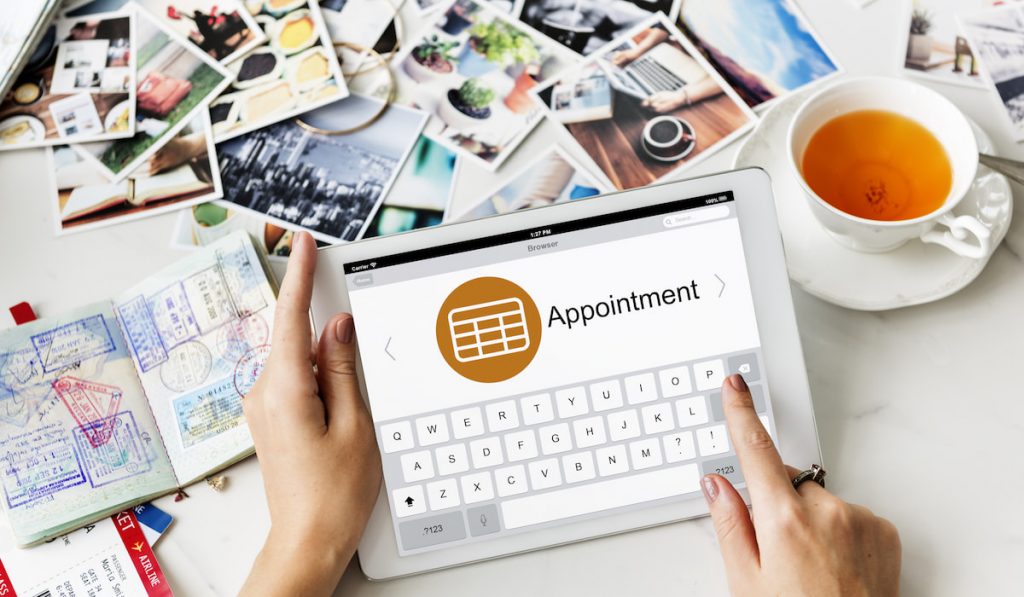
(432, 530)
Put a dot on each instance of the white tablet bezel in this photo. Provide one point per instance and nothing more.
(769, 282)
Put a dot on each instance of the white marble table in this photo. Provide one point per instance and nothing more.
(920, 411)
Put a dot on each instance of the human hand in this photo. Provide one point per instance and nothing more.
(802, 541)
(624, 57)
(665, 101)
(315, 444)
(176, 152)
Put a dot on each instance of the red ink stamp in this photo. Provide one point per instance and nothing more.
(249, 367)
(93, 406)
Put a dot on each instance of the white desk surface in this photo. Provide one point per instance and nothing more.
(920, 411)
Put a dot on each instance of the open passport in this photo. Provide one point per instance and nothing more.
(118, 402)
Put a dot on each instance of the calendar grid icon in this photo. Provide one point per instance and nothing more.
(488, 330)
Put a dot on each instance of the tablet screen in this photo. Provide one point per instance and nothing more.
(547, 375)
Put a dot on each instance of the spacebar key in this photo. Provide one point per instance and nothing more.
(605, 495)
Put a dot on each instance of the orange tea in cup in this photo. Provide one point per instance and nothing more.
(877, 165)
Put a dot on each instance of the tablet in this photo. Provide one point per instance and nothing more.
(553, 375)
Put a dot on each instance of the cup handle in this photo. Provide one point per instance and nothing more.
(954, 236)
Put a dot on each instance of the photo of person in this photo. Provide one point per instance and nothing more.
(669, 109)
(997, 36)
(584, 26)
(328, 184)
(182, 173)
(551, 178)
(421, 194)
(222, 29)
(472, 70)
(764, 49)
(935, 47)
(176, 81)
(78, 85)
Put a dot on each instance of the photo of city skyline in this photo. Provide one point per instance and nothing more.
(330, 185)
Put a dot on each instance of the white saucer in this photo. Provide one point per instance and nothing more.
(913, 274)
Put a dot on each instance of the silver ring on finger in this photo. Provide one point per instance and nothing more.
(816, 473)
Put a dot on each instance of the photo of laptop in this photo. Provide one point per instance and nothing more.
(554, 374)
(663, 68)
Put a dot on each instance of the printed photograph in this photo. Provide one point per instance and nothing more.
(182, 173)
(327, 184)
(223, 29)
(472, 70)
(176, 82)
(294, 71)
(646, 106)
(764, 49)
(365, 23)
(997, 36)
(78, 85)
(935, 47)
(421, 194)
(206, 223)
(584, 26)
(552, 178)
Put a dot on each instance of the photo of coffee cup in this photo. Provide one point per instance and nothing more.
(668, 138)
(879, 172)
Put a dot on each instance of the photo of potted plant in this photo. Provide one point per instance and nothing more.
(467, 106)
(493, 44)
(919, 49)
(431, 59)
(458, 18)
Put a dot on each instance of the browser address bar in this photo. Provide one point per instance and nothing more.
(694, 216)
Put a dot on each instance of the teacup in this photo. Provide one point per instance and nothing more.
(963, 235)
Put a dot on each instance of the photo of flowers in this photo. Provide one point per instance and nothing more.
(472, 71)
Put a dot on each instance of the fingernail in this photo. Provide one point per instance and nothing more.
(738, 383)
(710, 489)
(343, 330)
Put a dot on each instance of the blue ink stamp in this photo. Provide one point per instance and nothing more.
(208, 412)
(72, 343)
(243, 279)
(124, 455)
(142, 334)
(173, 317)
(37, 464)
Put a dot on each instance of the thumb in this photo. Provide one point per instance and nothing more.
(336, 368)
(733, 527)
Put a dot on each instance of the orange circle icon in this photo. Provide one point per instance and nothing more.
(488, 329)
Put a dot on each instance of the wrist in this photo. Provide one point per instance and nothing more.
(318, 555)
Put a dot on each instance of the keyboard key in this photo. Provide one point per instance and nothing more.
(728, 467)
(745, 365)
(521, 445)
(467, 422)
(477, 488)
(712, 440)
(432, 430)
(544, 474)
(756, 393)
(451, 459)
(433, 530)
(589, 432)
(709, 375)
(571, 402)
(483, 520)
(658, 418)
(537, 409)
(417, 466)
(408, 501)
(395, 437)
(486, 452)
(679, 447)
(578, 467)
(675, 382)
(510, 480)
(604, 495)
(645, 453)
(640, 388)
(611, 460)
(555, 439)
(623, 425)
(606, 395)
(443, 494)
(502, 416)
(691, 412)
